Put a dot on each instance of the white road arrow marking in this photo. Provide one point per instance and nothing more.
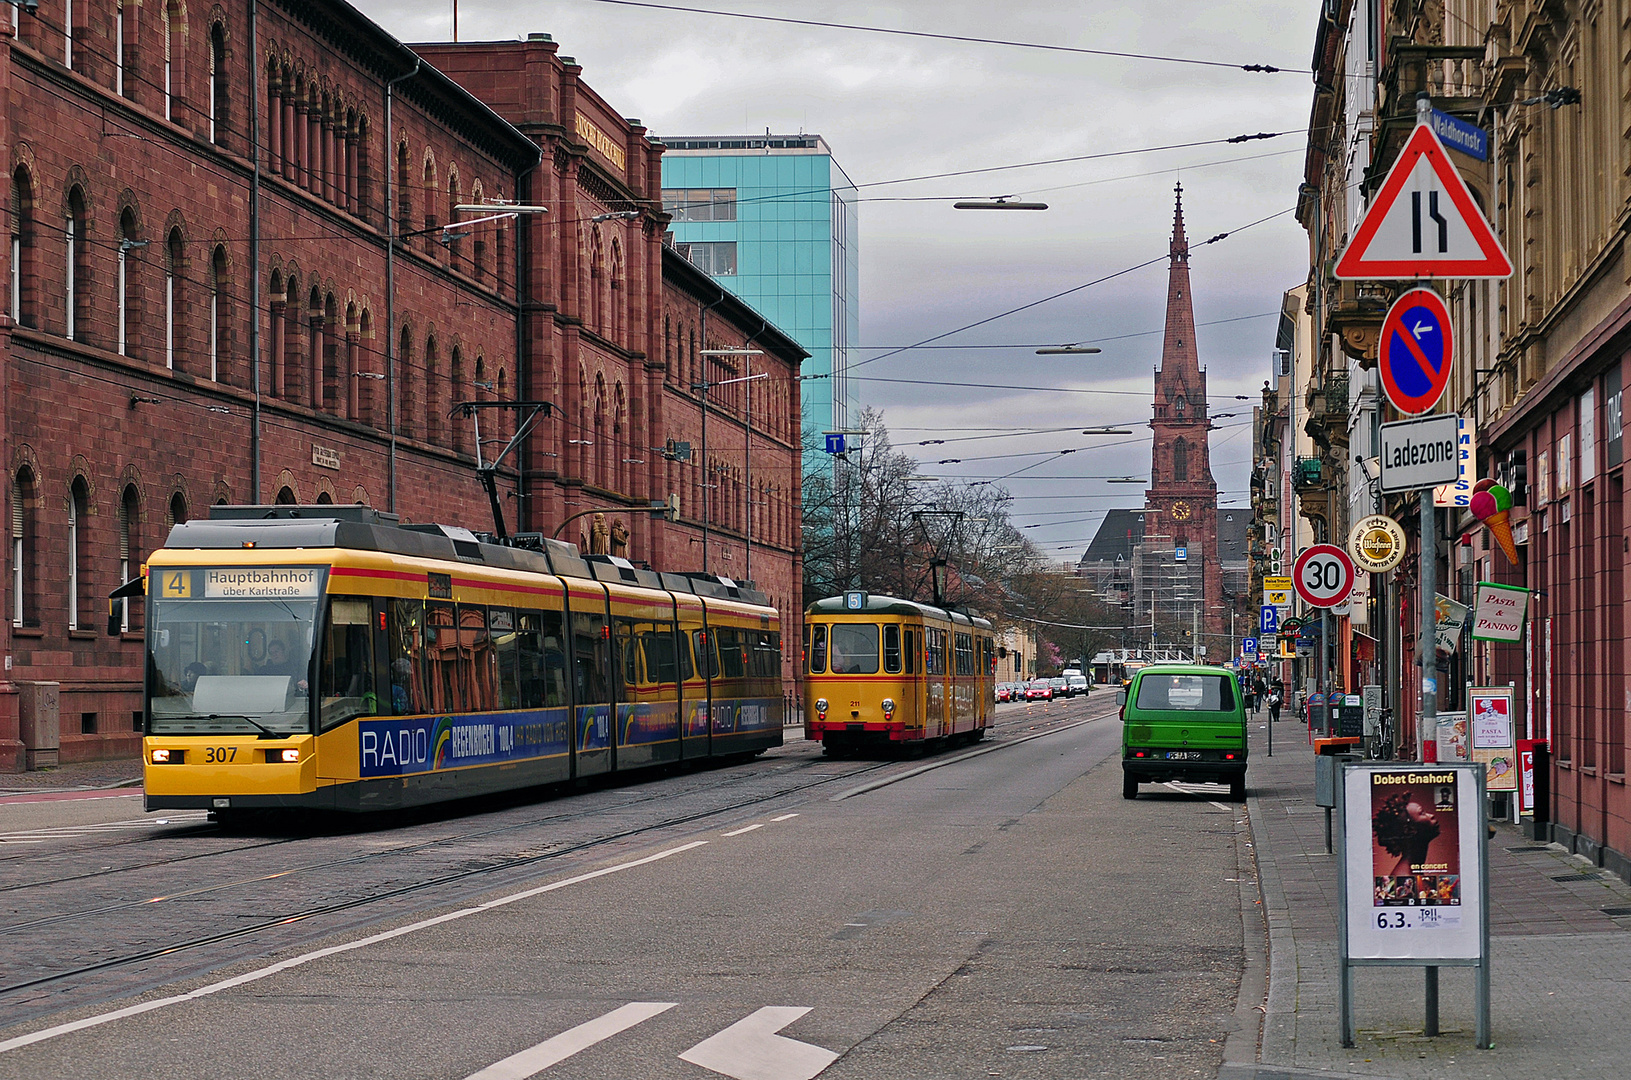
(750, 1049)
(536, 1059)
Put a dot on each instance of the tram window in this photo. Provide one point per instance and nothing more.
(934, 652)
(438, 659)
(728, 641)
(911, 651)
(688, 670)
(707, 660)
(767, 655)
(964, 648)
(501, 625)
(477, 661)
(590, 666)
(346, 681)
(542, 657)
(662, 664)
(817, 651)
(405, 630)
(854, 649)
(628, 659)
(891, 649)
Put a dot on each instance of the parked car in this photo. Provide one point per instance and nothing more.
(1039, 690)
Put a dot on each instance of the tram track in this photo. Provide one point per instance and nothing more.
(520, 862)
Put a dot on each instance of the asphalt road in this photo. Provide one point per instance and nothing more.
(1001, 913)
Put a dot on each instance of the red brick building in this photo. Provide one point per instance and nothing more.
(204, 304)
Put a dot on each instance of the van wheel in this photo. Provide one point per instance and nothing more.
(1129, 786)
(1237, 789)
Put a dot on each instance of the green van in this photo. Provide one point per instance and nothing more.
(1183, 722)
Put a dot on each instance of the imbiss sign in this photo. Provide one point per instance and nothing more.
(1420, 453)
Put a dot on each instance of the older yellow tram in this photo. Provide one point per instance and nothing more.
(881, 670)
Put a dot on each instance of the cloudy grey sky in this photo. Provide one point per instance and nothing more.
(893, 107)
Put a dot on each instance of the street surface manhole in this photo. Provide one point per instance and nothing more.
(1577, 877)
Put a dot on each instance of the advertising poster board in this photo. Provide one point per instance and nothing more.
(1499, 612)
(1452, 737)
(1412, 862)
(1493, 741)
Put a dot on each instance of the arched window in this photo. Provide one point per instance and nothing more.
(324, 499)
(455, 248)
(167, 75)
(79, 513)
(292, 341)
(218, 286)
(175, 258)
(314, 348)
(73, 257)
(220, 94)
(123, 280)
(330, 394)
(285, 497)
(363, 166)
(461, 392)
(1180, 461)
(277, 298)
(23, 502)
(404, 189)
(430, 207)
(433, 392)
(21, 293)
(404, 384)
(130, 552)
(177, 512)
(119, 47)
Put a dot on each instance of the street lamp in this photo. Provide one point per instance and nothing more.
(747, 471)
(1067, 350)
(1001, 202)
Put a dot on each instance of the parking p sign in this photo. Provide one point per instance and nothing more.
(1248, 646)
(1268, 620)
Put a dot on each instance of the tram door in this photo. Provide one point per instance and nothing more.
(901, 643)
(592, 704)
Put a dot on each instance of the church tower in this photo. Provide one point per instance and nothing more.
(1181, 505)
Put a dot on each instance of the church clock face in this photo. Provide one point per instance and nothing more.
(1181, 511)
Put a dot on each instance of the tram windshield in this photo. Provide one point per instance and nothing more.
(238, 666)
(854, 649)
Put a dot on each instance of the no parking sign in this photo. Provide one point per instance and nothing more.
(1414, 356)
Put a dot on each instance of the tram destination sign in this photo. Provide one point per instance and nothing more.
(1420, 453)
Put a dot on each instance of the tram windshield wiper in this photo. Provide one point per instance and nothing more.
(265, 732)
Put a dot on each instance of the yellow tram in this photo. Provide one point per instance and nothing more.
(882, 670)
(328, 657)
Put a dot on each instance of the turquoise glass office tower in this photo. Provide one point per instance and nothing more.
(773, 219)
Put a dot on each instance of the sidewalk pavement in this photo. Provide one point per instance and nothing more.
(74, 776)
(1560, 957)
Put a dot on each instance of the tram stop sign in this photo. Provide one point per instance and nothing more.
(1414, 351)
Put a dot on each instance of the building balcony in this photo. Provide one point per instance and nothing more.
(1453, 74)
(1327, 422)
(1308, 475)
(1356, 313)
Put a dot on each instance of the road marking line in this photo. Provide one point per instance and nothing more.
(750, 1049)
(784, 817)
(750, 828)
(333, 950)
(536, 1059)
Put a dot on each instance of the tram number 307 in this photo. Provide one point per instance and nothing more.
(214, 754)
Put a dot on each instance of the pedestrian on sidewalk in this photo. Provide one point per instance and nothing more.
(1275, 702)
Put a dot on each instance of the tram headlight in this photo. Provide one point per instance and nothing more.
(161, 757)
(821, 708)
(290, 756)
(888, 708)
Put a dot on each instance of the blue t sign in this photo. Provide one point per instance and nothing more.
(1268, 621)
(835, 443)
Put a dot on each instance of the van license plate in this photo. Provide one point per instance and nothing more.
(1183, 755)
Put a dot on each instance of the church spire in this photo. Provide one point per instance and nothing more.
(1178, 354)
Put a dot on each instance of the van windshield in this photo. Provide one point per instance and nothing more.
(1187, 693)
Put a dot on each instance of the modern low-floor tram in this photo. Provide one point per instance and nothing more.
(880, 670)
(330, 658)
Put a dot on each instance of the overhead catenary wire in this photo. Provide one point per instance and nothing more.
(1255, 68)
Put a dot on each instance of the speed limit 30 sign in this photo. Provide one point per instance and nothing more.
(1323, 575)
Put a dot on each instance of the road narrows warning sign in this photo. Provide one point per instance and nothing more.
(1423, 223)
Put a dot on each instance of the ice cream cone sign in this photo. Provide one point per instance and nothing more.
(1491, 504)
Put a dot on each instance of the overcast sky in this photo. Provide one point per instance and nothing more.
(892, 107)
